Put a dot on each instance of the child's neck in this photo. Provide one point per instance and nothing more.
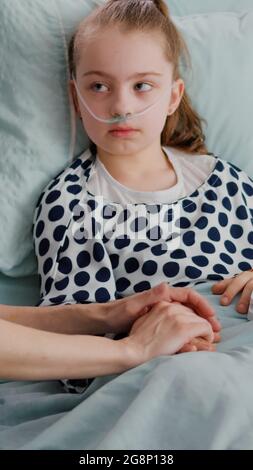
(148, 170)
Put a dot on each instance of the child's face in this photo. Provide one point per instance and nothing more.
(122, 56)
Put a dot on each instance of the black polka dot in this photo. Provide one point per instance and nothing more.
(61, 285)
(103, 275)
(114, 258)
(141, 246)
(181, 284)
(223, 219)
(65, 265)
(200, 260)
(81, 279)
(47, 265)
(48, 284)
(171, 269)
(98, 252)
(215, 277)
(230, 246)
(92, 204)
(207, 247)
(202, 222)
(121, 243)
(214, 181)
(192, 272)
(74, 189)
(226, 203)
(189, 238)
(102, 295)
(241, 213)
(250, 238)
(220, 269)
(73, 204)
(44, 247)
(214, 234)
(183, 222)
(248, 189)
(83, 259)
(243, 266)
(189, 206)
(40, 228)
(247, 253)
(178, 254)
(72, 178)
(226, 259)
(131, 265)
(56, 213)
(149, 268)
(59, 233)
(52, 197)
(232, 188)
(122, 284)
(211, 195)
(81, 296)
(58, 300)
(207, 208)
(159, 250)
(53, 184)
(219, 166)
(233, 173)
(236, 231)
(141, 286)
(76, 163)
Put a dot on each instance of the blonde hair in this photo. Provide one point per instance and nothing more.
(183, 128)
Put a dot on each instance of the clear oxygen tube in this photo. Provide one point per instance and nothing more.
(120, 118)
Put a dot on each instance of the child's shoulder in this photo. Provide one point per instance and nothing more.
(232, 170)
(74, 173)
(70, 182)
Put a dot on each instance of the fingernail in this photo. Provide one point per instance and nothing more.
(224, 300)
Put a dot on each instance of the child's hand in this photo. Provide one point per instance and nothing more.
(201, 344)
(232, 286)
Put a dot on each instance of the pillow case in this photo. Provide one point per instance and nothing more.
(37, 124)
(220, 82)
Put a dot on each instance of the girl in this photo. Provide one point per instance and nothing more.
(146, 203)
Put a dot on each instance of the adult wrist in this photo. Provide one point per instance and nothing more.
(91, 318)
(132, 354)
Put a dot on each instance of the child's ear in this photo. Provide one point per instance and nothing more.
(176, 95)
(73, 94)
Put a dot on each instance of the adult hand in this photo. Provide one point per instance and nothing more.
(121, 314)
(164, 330)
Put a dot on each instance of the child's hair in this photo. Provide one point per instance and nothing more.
(183, 128)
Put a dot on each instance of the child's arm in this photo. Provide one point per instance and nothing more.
(73, 263)
(242, 281)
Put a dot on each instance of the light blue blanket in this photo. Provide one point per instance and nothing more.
(197, 400)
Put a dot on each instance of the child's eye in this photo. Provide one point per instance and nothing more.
(92, 87)
(143, 83)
